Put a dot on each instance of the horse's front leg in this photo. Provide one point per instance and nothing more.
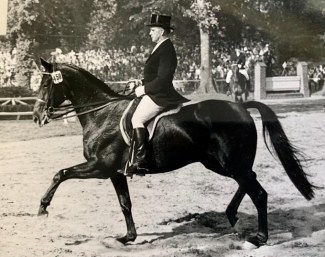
(80, 171)
(122, 191)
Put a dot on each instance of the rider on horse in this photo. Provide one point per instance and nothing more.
(156, 89)
(240, 59)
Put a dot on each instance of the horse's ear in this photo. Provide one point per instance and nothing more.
(48, 66)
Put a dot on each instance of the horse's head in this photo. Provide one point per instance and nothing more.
(52, 93)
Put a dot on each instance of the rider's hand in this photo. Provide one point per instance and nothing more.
(134, 83)
(139, 91)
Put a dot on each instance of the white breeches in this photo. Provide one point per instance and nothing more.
(244, 72)
(146, 110)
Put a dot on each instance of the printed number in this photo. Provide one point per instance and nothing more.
(57, 77)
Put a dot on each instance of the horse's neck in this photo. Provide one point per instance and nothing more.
(86, 93)
(106, 119)
(88, 97)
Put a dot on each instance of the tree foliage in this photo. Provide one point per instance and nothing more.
(292, 27)
(102, 25)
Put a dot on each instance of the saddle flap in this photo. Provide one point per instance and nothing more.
(126, 125)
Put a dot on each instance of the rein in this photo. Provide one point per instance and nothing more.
(60, 116)
(57, 78)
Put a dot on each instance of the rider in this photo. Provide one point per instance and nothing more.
(156, 88)
(241, 62)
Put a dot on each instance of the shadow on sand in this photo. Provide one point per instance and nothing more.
(294, 223)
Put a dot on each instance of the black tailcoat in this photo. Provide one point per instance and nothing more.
(158, 76)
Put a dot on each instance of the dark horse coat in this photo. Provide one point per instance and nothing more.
(158, 76)
(219, 134)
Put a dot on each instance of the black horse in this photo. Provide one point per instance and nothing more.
(219, 134)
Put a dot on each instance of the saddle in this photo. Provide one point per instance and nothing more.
(126, 125)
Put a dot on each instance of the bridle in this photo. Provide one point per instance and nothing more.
(58, 113)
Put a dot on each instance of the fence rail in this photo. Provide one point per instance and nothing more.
(16, 101)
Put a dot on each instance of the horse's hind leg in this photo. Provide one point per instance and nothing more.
(122, 191)
(258, 195)
(233, 206)
(81, 171)
(211, 163)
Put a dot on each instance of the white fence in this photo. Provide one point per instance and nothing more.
(276, 86)
(16, 101)
(279, 84)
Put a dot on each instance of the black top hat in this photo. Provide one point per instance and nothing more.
(162, 21)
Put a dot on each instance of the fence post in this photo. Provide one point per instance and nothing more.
(260, 81)
(302, 72)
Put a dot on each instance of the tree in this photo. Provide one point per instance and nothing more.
(124, 21)
(101, 24)
(204, 13)
(37, 27)
(20, 17)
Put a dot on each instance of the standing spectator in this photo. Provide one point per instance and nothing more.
(269, 60)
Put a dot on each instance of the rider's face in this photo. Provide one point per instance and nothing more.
(156, 34)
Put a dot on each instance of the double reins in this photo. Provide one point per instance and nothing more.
(68, 108)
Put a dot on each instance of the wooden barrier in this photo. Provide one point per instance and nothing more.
(286, 86)
(15, 101)
(280, 84)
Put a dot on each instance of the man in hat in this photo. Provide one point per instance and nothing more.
(156, 88)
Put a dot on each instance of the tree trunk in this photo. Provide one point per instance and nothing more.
(206, 78)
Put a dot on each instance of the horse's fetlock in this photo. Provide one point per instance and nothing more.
(125, 208)
(44, 203)
(59, 176)
(262, 195)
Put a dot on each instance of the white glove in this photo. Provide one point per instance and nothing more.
(134, 83)
(139, 91)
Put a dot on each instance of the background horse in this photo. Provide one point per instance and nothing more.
(219, 134)
(238, 85)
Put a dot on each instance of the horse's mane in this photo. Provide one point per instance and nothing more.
(98, 83)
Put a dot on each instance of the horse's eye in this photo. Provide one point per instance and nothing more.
(46, 84)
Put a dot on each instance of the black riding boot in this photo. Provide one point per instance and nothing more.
(139, 164)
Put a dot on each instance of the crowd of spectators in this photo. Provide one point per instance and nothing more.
(7, 67)
(111, 65)
(119, 64)
(123, 64)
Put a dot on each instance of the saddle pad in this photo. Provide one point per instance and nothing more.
(150, 126)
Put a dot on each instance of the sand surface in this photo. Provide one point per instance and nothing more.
(180, 213)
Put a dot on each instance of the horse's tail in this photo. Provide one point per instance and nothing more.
(285, 151)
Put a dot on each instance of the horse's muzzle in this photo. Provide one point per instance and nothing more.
(40, 118)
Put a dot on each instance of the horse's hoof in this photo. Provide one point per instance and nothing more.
(110, 242)
(126, 239)
(258, 240)
(42, 211)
